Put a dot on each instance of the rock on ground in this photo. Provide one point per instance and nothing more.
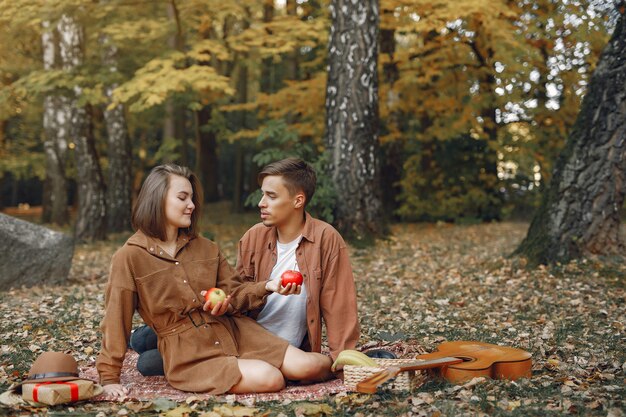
(31, 254)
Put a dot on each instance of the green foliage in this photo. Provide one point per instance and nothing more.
(168, 151)
(279, 142)
(449, 181)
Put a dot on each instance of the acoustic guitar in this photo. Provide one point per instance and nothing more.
(461, 361)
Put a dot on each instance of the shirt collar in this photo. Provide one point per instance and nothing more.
(150, 244)
(307, 232)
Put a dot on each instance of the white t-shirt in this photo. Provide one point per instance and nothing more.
(285, 315)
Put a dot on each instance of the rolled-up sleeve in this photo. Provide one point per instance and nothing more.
(246, 294)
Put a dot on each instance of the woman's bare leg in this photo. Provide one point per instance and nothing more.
(258, 376)
(309, 366)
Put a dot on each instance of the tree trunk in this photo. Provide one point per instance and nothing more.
(268, 73)
(242, 97)
(91, 218)
(579, 214)
(393, 152)
(352, 117)
(55, 129)
(488, 171)
(119, 190)
(206, 161)
(292, 61)
(174, 123)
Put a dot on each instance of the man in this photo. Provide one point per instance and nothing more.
(288, 238)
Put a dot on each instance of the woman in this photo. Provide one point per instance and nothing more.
(162, 272)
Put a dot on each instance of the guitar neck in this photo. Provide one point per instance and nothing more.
(429, 364)
(370, 384)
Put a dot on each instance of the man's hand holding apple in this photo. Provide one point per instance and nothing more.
(290, 283)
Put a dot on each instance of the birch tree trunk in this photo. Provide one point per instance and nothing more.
(119, 190)
(579, 214)
(56, 114)
(91, 218)
(352, 117)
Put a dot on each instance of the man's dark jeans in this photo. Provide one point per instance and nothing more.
(144, 341)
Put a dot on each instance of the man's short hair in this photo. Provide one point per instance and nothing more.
(149, 209)
(297, 174)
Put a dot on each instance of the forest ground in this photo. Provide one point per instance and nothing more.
(425, 284)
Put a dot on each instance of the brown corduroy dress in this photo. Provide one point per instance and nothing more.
(199, 350)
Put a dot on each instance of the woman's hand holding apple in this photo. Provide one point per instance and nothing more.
(216, 302)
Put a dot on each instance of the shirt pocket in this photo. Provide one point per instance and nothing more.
(247, 265)
(158, 292)
(202, 274)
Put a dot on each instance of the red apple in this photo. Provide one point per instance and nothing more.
(214, 296)
(291, 277)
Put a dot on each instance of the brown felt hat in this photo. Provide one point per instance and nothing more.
(52, 366)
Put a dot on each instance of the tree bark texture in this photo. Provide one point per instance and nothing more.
(352, 116)
(56, 115)
(119, 190)
(91, 218)
(579, 214)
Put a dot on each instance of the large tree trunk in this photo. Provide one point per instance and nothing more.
(55, 127)
(352, 117)
(119, 190)
(579, 214)
(91, 218)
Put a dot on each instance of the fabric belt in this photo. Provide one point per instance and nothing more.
(198, 318)
(194, 318)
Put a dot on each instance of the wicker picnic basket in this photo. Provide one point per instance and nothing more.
(405, 381)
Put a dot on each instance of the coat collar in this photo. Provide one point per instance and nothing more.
(151, 244)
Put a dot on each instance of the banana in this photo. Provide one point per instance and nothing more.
(353, 357)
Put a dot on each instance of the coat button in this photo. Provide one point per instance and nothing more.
(177, 263)
(151, 249)
(161, 253)
(185, 281)
(217, 343)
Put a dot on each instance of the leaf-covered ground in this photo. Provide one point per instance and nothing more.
(425, 284)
